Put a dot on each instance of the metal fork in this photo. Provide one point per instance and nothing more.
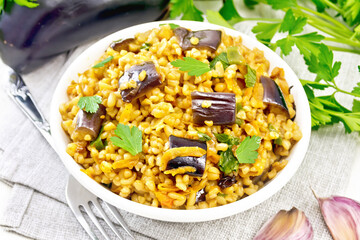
(76, 195)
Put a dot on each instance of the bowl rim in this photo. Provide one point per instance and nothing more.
(92, 53)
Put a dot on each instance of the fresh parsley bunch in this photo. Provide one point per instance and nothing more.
(315, 48)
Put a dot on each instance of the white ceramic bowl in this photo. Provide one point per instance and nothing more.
(86, 60)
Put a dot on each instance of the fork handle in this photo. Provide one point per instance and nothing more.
(19, 92)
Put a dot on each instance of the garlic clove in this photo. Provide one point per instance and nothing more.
(342, 216)
(292, 224)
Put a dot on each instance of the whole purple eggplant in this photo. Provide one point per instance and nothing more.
(30, 36)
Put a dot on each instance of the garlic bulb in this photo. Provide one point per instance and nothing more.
(342, 216)
(286, 225)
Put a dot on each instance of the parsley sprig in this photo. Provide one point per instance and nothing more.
(245, 152)
(192, 66)
(128, 139)
(89, 104)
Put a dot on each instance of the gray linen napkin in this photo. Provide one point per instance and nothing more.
(37, 207)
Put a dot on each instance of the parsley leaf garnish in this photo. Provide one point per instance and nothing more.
(89, 104)
(172, 25)
(145, 46)
(246, 151)
(192, 66)
(228, 139)
(187, 8)
(98, 143)
(222, 57)
(129, 140)
(250, 77)
(228, 163)
(102, 63)
(203, 137)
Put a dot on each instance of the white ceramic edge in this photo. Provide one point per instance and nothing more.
(86, 60)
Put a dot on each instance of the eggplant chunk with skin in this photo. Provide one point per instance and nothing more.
(220, 108)
(226, 182)
(31, 36)
(138, 80)
(204, 39)
(90, 123)
(200, 196)
(122, 44)
(273, 95)
(180, 162)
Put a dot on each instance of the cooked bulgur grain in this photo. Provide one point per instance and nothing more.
(166, 110)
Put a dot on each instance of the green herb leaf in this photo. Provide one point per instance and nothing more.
(129, 140)
(239, 121)
(216, 18)
(98, 143)
(238, 107)
(278, 141)
(222, 57)
(203, 137)
(187, 8)
(308, 44)
(326, 110)
(246, 151)
(172, 25)
(250, 3)
(89, 104)
(281, 4)
(102, 63)
(315, 85)
(222, 194)
(228, 11)
(285, 45)
(2, 5)
(250, 77)
(145, 46)
(356, 90)
(265, 31)
(359, 65)
(292, 24)
(228, 139)
(27, 3)
(323, 65)
(228, 163)
(320, 5)
(192, 66)
(351, 11)
(356, 106)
